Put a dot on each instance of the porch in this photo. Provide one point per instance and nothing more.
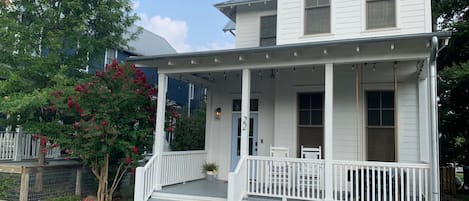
(361, 101)
(285, 178)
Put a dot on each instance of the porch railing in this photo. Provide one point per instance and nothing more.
(237, 181)
(182, 166)
(285, 177)
(363, 180)
(16, 146)
(145, 180)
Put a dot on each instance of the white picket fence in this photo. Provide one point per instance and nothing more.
(176, 167)
(18, 146)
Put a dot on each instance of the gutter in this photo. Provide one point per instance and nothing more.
(435, 169)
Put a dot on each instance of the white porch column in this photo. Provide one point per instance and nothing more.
(158, 145)
(328, 111)
(245, 107)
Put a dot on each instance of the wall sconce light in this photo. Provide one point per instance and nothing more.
(217, 113)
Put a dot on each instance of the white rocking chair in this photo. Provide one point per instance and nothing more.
(310, 174)
(278, 170)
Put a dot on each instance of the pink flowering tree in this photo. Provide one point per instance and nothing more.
(108, 123)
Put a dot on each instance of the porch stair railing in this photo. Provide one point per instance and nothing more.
(176, 167)
(237, 181)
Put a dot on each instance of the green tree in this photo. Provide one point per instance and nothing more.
(112, 123)
(46, 43)
(189, 132)
(453, 63)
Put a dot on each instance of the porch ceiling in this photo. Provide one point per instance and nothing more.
(377, 49)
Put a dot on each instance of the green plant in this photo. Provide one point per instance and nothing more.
(189, 132)
(6, 182)
(209, 167)
(65, 198)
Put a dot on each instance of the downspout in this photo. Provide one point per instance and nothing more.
(435, 171)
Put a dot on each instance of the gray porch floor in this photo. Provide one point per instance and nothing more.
(202, 187)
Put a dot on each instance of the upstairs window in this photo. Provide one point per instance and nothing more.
(110, 55)
(268, 31)
(380, 14)
(317, 16)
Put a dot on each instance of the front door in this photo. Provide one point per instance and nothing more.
(236, 138)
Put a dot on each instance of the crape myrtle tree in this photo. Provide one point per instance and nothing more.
(107, 122)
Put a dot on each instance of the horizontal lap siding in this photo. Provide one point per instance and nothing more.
(408, 122)
(344, 125)
(348, 21)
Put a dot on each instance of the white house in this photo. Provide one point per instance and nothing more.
(354, 78)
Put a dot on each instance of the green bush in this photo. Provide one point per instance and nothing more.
(189, 132)
(6, 182)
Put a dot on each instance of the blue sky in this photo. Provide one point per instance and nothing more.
(188, 25)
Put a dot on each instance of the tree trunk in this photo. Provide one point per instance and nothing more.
(40, 170)
(103, 193)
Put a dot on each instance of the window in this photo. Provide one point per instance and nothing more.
(380, 14)
(317, 16)
(380, 108)
(110, 55)
(310, 109)
(310, 120)
(381, 140)
(254, 105)
(268, 31)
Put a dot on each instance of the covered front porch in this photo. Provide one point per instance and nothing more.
(366, 104)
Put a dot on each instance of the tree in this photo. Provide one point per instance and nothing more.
(453, 63)
(111, 121)
(46, 44)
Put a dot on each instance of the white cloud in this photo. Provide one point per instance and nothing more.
(216, 46)
(135, 4)
(174, 31)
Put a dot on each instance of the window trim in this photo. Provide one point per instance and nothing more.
(260, 30)
(365, 17)
(115, 51)
(364, 106)
(303, 21)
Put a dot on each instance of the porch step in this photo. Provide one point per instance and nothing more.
(160, 196)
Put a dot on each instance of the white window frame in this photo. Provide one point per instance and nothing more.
(303, 20)
(106, 56)
(365, 15)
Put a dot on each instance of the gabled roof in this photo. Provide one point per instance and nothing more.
(148, 43)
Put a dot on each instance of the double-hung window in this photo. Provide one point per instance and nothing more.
(317, 17)
(380, 14)
(268, 30)
(110, 55)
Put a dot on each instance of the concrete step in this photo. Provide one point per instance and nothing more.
(159, 196)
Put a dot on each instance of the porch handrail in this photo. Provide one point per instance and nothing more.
(365, 180)
(237, 181)
(145, 180)
(182, 166)
(295, 178)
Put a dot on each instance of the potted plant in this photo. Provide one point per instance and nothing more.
(210, 171)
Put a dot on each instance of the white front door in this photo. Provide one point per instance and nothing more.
(236, 137)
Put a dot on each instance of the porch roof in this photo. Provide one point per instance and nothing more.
(256, 54)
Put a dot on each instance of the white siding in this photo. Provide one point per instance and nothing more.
(408, 124)
(248, 24)
(348, 21)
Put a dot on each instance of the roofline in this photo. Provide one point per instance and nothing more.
(289, 46)
(226, 4)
